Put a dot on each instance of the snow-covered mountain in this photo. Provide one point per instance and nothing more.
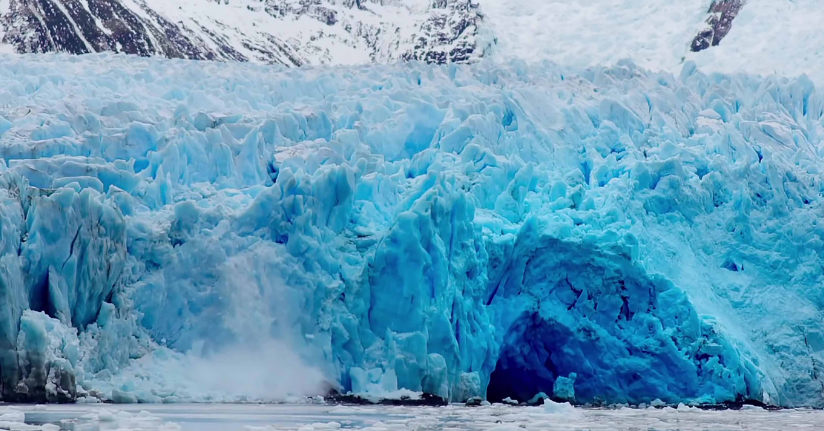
(297, 32)
(289, 32)
(719, 35)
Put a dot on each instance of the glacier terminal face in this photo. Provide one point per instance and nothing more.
(602, 235)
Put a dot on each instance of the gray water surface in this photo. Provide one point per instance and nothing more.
(236, 417)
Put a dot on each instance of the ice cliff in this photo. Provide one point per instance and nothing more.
(602, 235)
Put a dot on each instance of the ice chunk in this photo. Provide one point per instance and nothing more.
(562, 408)
(48, 353)
(564, 387)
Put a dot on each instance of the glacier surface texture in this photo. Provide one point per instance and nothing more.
(601, 235)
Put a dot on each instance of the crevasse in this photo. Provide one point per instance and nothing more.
(602, 235)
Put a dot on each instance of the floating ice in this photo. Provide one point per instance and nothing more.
(274, 417)
(612, 235)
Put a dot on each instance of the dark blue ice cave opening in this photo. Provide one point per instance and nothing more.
(626, 336)
(537, 351)
(525, 367)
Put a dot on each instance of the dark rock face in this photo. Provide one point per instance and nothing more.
(444, 36)
(424, 400)
(44, 382)
(38, 26)
(443, 33)
(722, 13)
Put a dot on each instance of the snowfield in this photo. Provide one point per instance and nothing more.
(655, 34)
(771, 37)
(767, 37)
(603, 235)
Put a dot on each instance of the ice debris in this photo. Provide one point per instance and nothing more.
(463, 231)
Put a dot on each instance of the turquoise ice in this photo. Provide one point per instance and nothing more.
(603, 235)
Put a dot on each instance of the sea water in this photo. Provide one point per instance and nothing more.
(305, 417)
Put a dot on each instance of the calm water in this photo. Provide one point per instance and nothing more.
(231, 417)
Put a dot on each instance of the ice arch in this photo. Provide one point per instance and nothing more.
(628, 336)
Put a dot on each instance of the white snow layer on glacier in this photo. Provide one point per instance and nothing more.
(612, 234)
(767, 36)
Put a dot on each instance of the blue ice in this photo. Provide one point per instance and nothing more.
(608, 235)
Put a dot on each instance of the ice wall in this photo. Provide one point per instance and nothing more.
(601, 235)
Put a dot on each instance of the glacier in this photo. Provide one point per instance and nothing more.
(601, 234)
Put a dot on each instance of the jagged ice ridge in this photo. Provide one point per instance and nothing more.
(603, 235)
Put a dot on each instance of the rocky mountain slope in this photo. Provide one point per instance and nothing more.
(298, 32)
(289, 32)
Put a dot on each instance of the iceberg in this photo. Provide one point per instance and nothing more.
(605, 235)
